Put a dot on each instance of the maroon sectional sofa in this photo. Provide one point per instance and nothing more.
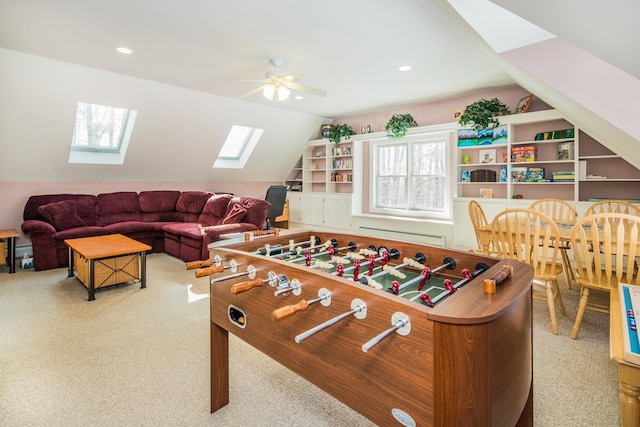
(181, 224)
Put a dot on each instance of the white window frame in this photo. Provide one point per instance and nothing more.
(408, 210)
(237, 148)
(101, 151)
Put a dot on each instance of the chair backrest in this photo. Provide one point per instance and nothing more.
(606, 246)
(529, 236)
(478, 219)
(612, 206)
(560, 211)
(276, 195)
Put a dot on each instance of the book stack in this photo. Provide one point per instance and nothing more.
(523, 154)
(564, 176)
(555, 134)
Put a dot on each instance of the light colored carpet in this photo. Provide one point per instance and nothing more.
(140, 357)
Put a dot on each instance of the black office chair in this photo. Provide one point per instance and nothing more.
(276, 195)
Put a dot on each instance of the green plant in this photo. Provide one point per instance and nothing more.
(339, 131)
(398, 124)
(482, 113)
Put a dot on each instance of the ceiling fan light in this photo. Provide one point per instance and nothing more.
(269, 91)
(283, 93)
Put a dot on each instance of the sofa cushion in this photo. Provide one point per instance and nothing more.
(158, 201)
(117, 207)
(257, 210)
(235, 213)
(62, 215)
(85, 206)
(190, 204)
(214, 210)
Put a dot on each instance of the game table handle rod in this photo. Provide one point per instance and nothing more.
(208, 271)
(358, 307)
(401, 322)
(289, 310)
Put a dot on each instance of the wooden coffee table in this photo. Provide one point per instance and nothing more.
(102, 261)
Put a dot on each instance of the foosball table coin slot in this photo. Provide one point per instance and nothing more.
(237, 316)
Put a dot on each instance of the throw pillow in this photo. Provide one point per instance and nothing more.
(62, 215)
(235, 215)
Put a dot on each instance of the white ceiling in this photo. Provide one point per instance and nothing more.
(351, 49)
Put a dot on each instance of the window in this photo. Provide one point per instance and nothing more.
(101, 134)
(238, 146)
(411, 177)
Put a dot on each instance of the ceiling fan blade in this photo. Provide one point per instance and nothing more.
(303, 88)
(252, 92)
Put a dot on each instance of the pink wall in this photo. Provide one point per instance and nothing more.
(15, 194)
(437, 112)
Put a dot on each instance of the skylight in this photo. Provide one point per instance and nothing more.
(238, 146)
(101, 134)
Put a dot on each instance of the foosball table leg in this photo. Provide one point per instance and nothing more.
(219, 367)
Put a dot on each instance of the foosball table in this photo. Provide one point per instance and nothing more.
(402, 333)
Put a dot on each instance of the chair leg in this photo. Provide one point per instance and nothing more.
(584, 299)
(558, 298)
(552, 309)
(568, 270)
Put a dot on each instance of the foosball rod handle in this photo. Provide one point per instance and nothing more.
(245, 286)
(208, 271)
(198, 264)
(288, 310)
(499, 277)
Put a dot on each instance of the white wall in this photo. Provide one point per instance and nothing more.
(177, 136)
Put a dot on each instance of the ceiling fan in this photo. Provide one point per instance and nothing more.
(278, 85)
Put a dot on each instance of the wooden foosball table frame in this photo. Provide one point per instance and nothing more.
(466, 361)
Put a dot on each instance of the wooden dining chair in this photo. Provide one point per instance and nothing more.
(564, 215)
(532, 237)
(605, 246)
(482, 229)
(561, 211)
(612, 206)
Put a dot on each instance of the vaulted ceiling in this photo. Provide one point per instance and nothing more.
(351, 49)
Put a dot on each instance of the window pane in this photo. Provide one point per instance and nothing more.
(392, 160)
(428, 192)
(236, 141)
(391, 192)
(429, 158)
(99, 126)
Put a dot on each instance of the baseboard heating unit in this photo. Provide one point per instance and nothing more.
(421, 238)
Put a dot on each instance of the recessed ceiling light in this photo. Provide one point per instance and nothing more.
(124, 50)
(404, 68)
(298, 97)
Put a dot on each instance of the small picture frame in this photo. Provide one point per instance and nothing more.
(486, 193)
(523, 105)
(487, 156)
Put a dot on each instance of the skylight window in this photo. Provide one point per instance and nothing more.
(238, 146)
(101, 134)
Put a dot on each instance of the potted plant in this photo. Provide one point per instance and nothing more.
(482, 113)
(398, 124)
(339, 131)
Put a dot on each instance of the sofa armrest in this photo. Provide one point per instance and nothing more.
(213, 233)
(33, 226)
